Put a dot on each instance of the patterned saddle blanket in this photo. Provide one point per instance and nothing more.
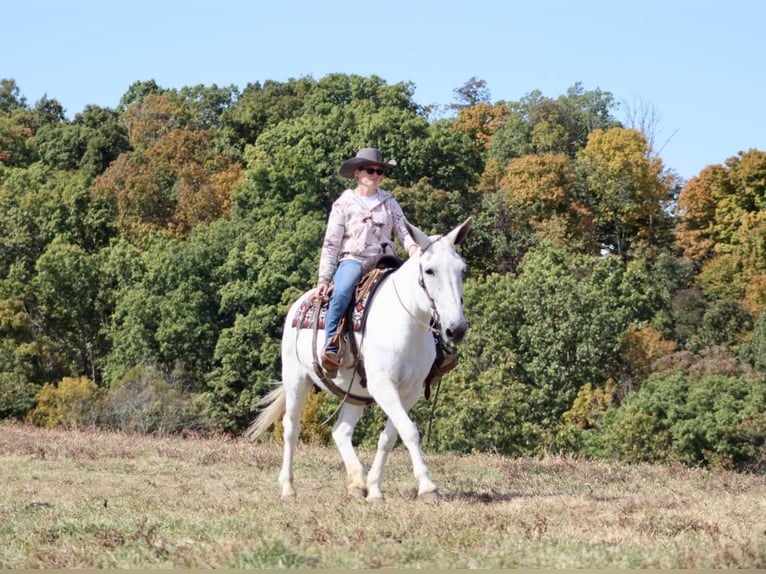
(355, 317)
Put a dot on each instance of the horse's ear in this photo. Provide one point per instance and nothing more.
(458, 234)
(420, 238)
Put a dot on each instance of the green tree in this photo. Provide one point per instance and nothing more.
(69, 302)
(106, 138)
(16, 130)
(208, 103)
(538, 124)
(11, 98)
(759, 343)
(26, 359)
(166, 309)
(138, 91)
(536, 340)
(483, 405)
(46, 112)
(335, 90)
(259, 107)
(268, 265)
(569, 323)
(38, 204)
(61, 146)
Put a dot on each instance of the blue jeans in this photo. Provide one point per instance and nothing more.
(346, 277)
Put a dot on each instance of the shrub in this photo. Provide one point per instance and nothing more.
(74, 403)
(759, 343)
(147, 401)
(750, 434)
(588, 410)
(17, 395)
(714, 422)
(495, 413)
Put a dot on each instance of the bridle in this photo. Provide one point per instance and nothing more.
(435, 324)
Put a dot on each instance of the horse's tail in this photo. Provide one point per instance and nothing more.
(274, 407)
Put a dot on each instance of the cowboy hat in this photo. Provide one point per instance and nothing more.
(365, 156)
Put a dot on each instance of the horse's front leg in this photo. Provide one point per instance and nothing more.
(342, 434)
(386, 444)
(399, 422)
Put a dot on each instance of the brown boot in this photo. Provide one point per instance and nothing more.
(331, 360)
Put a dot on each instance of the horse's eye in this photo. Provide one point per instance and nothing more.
(429, 272)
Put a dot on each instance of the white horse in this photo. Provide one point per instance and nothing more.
(397, 347)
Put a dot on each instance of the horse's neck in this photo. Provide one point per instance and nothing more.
(405, 293)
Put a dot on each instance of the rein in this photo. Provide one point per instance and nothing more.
(435, 320)
(433, 327)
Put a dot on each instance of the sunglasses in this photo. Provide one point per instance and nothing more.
(371, 170)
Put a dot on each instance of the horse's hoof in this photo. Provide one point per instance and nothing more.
(357, 492)
(375, 495)
(432, 496)
(288, 495)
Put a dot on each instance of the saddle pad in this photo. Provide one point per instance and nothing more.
(304, 316)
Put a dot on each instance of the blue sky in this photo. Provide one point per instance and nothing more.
(699, 65)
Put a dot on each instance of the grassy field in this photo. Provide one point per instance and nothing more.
(97, 500)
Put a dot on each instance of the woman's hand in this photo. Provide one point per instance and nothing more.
(321, 292)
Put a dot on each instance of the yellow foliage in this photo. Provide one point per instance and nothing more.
(72, 404)
(12, 315)
(641, 348)
(722, 224)
(722, 277)
(589, 406)
(755, 294)
(624, 176)
(313, 429)
(541, 189)
(481, 121)
(490, 177)
(696, 233)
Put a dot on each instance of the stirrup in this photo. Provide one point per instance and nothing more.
(331, 361)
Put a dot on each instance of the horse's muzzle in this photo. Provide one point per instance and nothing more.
(455, 333)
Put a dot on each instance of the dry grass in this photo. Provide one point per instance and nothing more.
(95, 500)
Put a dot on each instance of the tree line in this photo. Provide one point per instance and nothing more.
(149, 253)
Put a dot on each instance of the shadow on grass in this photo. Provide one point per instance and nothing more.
(494, 497)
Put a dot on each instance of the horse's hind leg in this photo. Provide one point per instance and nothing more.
(399, 423)
(342, 433)
(296, 391)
